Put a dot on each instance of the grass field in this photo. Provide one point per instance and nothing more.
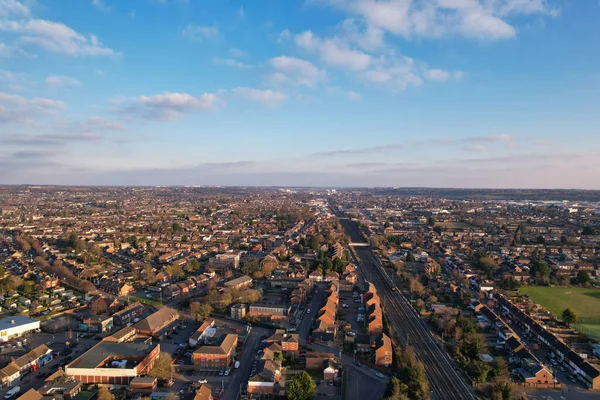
(584, 302)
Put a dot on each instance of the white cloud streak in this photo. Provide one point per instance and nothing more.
(200, 33)
(296, 71)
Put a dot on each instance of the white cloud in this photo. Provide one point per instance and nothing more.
(165, 106)
(241, 12)
(198, 32)
(48, 104)
(396, 73)
(436, 74)
(353, 96)
(230, 62)
(283, 36)
(18, 109)
(295, 70)
(237, 53)
(171, 106)
(13, 99)
(333, 51)
(99, 4)
(64, 81)
(55, 37)
(7, 51)
(481, 19)
(367, 37)
(475, 148)
(13, 7)
(266, 97)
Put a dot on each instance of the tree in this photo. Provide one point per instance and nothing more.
(396, 390)
(568, 316)
(416, 286)
(302, 387)
(163, 367)
(588, 231)
(278, 356)
(510, 283)
(583, 277)
(479, 371)
(105, 394)
(250, 266)
(200, 311)
(313, 243)
(410, 257)
(472, 345)
(194, 265)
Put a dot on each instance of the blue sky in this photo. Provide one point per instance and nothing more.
(439, 93)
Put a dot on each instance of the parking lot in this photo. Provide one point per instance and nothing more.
(353, 313)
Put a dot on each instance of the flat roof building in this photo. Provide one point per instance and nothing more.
(114, 363)
(16, 326)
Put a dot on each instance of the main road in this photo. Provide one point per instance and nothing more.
(444, 381)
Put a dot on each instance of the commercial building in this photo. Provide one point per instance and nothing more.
(28, 362)
(219, 355)
(15, 326)
(114, 363)
(154, 323)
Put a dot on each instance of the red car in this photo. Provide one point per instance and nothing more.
(310, 341)
(237, 330)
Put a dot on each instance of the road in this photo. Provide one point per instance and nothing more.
(246, 357)
(315, 304)
(445, 382)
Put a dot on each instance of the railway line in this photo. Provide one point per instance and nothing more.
(445, 382)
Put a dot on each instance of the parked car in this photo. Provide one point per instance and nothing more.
(203, 381)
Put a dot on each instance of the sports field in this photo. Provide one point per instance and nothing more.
(584, 302)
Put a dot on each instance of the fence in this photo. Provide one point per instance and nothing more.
(590, 327)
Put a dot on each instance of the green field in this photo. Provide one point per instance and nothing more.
(584, 302)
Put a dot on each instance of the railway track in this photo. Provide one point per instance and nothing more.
(445, 382)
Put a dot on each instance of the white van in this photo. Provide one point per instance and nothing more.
(12, 392)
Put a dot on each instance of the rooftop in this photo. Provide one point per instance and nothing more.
(95, 357)
(17, 320)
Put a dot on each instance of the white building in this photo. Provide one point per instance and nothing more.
(16, 326)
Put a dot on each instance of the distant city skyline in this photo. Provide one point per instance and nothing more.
(318, 93)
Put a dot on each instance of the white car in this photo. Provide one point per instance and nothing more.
(203, 381)
(227, 372)
(379, 375)
(308, 311)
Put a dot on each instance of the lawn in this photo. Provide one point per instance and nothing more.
(149, 302)
(584, 302)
